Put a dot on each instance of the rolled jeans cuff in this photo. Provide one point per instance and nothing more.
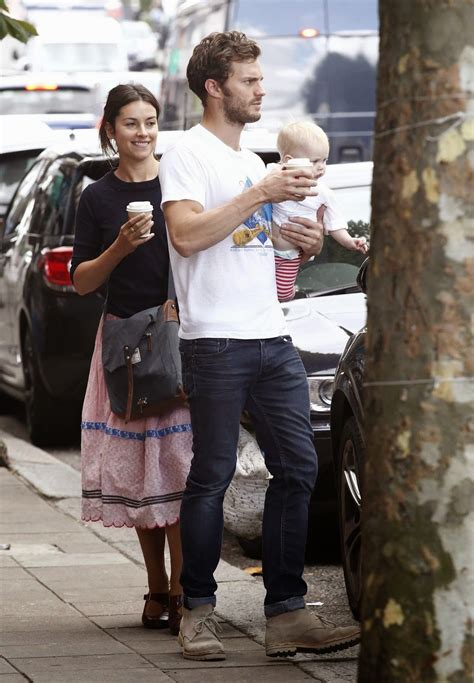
(276, 608)
(189, 603)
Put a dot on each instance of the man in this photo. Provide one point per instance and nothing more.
(236, 352)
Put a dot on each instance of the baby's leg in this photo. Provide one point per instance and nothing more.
(286, 271)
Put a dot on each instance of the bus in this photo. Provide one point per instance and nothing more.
(319, 61)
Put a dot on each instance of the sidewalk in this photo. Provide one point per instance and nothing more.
(72, 596)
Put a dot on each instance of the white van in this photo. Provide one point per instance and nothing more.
(75, 44)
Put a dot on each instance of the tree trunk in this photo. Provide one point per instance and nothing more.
(418, 482)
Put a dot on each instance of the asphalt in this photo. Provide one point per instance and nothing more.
(72, 596)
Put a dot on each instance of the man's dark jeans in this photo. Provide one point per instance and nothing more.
(222, 377)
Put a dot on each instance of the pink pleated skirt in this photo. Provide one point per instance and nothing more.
(134, 473)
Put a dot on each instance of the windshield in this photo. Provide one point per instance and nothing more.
(283, 18)
(337, 267)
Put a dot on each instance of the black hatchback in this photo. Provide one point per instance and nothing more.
(46, 330)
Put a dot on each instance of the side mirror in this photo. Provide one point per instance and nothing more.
(362, 276)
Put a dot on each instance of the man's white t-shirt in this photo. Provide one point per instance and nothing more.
(229, 289)
(307, 208)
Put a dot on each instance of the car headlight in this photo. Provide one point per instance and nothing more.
(320, 393)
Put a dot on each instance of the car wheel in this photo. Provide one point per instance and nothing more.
(49, 421)
(351, 455)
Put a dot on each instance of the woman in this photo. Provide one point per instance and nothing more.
(133, 473)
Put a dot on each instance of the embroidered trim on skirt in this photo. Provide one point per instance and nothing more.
(133, 474)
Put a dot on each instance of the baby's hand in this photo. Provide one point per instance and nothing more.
(360, 244)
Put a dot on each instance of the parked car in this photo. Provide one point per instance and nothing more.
(47, 331)
(22, 139)
(60, 100)
(348, 448)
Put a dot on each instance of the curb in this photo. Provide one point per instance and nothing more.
(45, 473)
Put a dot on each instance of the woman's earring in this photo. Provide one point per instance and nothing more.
(113, 145)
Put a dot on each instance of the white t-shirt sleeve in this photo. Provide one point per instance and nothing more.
(182, 176)
(333, 218)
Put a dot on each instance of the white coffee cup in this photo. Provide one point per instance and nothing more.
(301, 162)
(135, 208)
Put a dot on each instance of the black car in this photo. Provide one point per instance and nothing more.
(348, 447)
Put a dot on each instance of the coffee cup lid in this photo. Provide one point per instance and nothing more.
(140, 207)
(298, 162)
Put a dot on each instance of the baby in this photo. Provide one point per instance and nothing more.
(305, 139)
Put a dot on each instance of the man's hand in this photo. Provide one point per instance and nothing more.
(289, 183)
(305, 233)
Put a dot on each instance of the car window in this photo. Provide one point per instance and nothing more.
(336, 266)
(350, 16)
(13, 167)
(278, 17)
(21, 199)
(53, 196)
(57, 100)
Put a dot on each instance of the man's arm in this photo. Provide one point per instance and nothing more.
(192, 229)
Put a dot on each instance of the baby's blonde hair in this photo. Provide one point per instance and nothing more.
(293, 137)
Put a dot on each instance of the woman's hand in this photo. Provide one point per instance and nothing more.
(305, 233)
(134, 232)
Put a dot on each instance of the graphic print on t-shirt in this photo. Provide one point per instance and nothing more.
(257, 225)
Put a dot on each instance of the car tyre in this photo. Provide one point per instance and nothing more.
(351, 457)
(49, 421)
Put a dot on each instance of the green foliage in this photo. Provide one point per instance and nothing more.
(20, 30)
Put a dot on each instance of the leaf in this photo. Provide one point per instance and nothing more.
(20, 30)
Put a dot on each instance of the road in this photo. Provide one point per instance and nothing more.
(325, 580)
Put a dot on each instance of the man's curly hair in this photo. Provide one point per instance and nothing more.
(213, 57)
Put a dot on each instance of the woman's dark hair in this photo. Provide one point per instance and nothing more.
(117, 98)
(213, 57)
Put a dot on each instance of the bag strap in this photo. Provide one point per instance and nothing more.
(128, 360)
(171, 289)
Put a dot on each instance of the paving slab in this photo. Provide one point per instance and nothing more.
(78, 541)
(141, 675)
(6, 668)
(88, 644)
(29, 624)
(234, 658)
(70, 559)
(105, 575)
(239, 675)
(31, 666)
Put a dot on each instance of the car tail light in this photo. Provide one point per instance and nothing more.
(41, 86)
(56, 264)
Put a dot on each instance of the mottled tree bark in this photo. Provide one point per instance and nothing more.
(418, 483)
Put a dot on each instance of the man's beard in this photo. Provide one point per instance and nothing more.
(236, 113)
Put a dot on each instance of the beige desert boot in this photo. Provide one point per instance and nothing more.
(303, 631)
(198, 634)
